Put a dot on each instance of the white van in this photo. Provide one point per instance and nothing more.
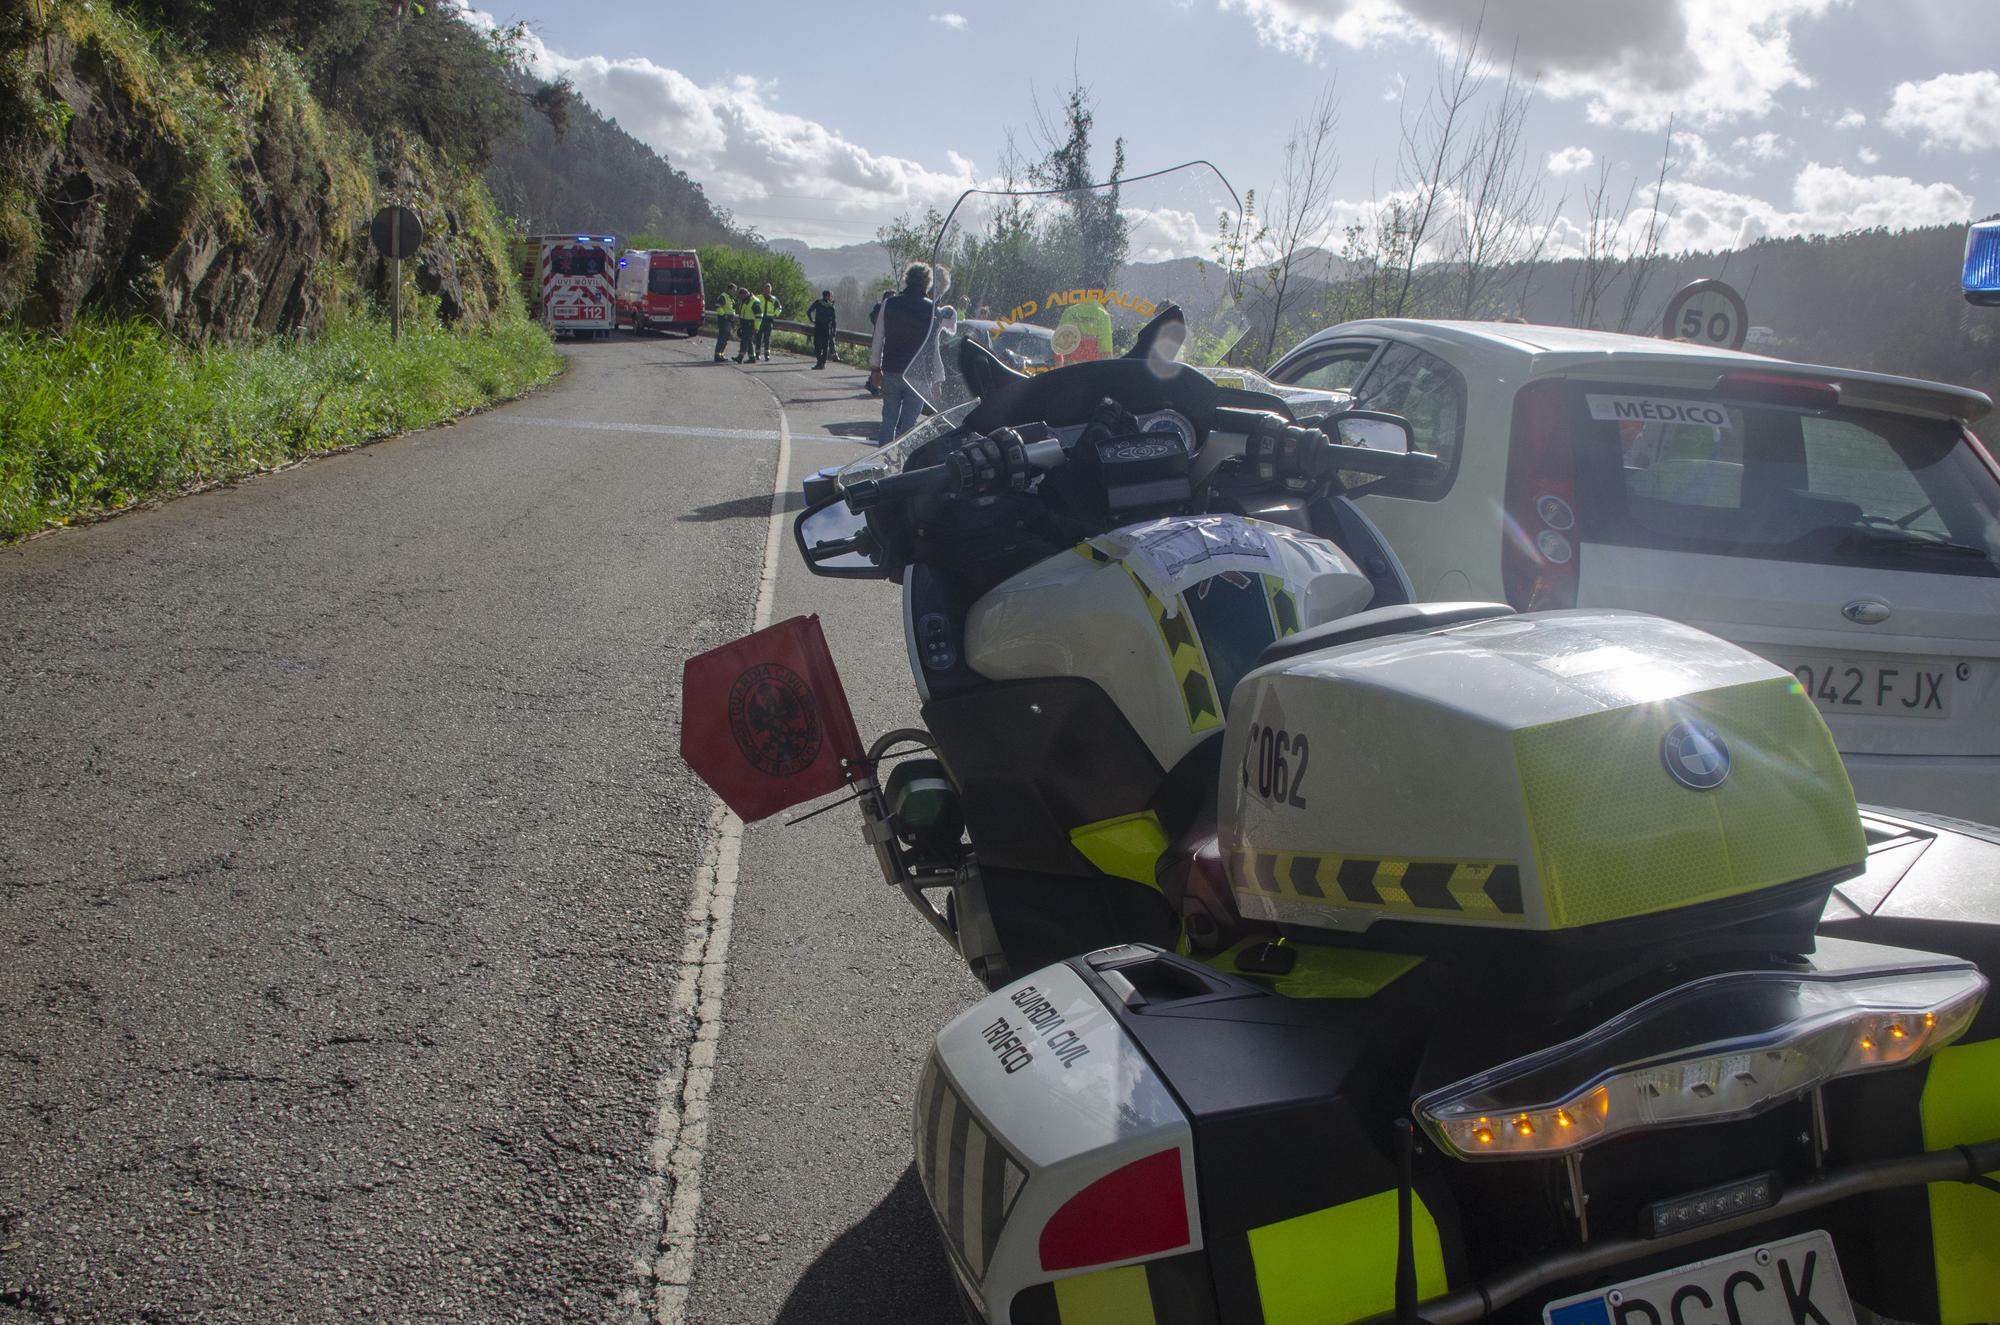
(1844, 524)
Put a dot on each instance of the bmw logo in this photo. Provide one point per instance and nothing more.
(1695, 756)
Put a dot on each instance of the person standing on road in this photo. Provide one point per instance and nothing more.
(822, 314)
(725, 320)
(901, 329)
(874, 319)
(766, 320)
(748, 310)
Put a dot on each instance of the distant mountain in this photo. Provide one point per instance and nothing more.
(825, 267)
(597, 177)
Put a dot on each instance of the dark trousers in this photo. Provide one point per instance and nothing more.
(722, 325)
(822, 343)
(746, 342)
(764, 336)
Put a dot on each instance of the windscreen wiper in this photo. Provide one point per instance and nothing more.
(1867, 542)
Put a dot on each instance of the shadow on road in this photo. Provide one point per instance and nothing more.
(744, 508)
(864, 429)
(889, 1266)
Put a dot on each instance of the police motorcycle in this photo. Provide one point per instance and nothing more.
(1356, 959)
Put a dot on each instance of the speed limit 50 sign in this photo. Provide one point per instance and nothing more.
(1707, 312)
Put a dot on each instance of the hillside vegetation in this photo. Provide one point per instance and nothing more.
(587, 174)
(185, 280)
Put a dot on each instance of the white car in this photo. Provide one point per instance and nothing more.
(1844, 524)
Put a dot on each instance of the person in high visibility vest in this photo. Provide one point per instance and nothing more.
(748, 310)
(725, 320)
(766, 321)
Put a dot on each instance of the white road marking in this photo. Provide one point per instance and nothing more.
(662, 429)
(680, 1125)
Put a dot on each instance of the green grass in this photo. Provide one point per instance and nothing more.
(111, 413)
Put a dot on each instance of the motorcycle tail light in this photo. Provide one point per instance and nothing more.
(1138, 1210)
(1724, 1047)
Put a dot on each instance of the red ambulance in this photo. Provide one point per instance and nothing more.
(578, 295)
(660, 288)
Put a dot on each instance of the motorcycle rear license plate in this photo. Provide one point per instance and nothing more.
(1795, 1281)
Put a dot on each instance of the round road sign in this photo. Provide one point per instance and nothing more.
(396, 231)
(1707, 312)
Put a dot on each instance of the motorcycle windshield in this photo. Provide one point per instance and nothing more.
(1046, 277)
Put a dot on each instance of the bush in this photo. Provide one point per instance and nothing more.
(110, 413)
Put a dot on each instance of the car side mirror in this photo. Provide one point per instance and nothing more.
(835, 541)
(1372, 430)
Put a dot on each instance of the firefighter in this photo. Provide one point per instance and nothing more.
(725, 320)
(768, 319)
(822, 314)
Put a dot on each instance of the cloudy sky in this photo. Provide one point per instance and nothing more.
(819, 121)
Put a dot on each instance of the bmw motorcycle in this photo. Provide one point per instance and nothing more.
(1354, 959)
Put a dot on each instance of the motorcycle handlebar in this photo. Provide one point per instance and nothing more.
(868, 493)
(1413, 465)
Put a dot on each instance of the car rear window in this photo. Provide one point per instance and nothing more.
(1684, 471)
(673, 280)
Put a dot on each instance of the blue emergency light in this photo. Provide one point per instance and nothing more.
(1982, 264)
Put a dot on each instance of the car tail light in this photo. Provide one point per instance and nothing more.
(1979, 450)
(1538, 541)
(1137, 1210)
(1778, 389)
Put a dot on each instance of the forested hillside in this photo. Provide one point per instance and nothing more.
(589, 174)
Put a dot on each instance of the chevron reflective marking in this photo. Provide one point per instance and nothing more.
(1284, 606)
(1190, 664)
(1473, 889)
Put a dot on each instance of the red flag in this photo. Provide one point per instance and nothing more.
(764, 720)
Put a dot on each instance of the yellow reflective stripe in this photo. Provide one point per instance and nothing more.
(1339, 1264)
(1183, 645)
(1319, 972)
(1089, 553)
(1961, 1104)
(1284, 605)
(1615, 836)
(1106, 1297)
(1465, 889)
(1128, 847)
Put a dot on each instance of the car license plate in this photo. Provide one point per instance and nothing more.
(1795, 1281)
(1891, 687)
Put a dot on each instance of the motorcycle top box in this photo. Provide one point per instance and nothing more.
(1538, 773)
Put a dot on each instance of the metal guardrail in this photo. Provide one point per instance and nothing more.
(863, 338)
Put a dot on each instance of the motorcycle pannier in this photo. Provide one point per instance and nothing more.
(1546, 772)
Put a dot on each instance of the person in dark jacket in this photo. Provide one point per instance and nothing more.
(821, 313)
(900, 332)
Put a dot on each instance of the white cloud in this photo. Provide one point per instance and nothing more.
(784, 173)
(1951, 110)
(1825, 200)
(956, 22)
(1854, 119)
(1765, 146)
(1634, 63)
(1570, 160)
(1867, 155)
(1691, 157)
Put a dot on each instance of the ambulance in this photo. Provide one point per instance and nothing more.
(660, 288)
(578, 294)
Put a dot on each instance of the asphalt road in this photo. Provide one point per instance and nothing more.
(344, 864)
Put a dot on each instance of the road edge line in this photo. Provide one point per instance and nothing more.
(680, 1129)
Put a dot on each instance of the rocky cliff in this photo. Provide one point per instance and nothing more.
(208, 191)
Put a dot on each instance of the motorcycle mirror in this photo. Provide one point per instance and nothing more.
(1161, 338)
(835, 541)
(982, 369)
(1373, 430)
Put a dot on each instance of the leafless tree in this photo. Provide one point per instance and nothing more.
(1612, 252)
(1303, 217)
(1500, 219)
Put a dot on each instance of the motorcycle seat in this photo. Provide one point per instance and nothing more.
(1403, 619)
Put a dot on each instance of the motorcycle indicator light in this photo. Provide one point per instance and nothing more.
(1723, 1047)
